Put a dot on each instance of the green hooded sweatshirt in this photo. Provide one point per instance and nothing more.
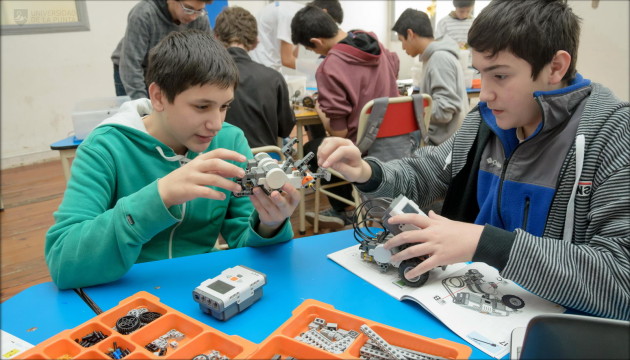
(112, 215)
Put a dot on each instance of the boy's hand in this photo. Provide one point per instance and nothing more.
(275, 208)
(446, 241)
(191, 181)
(343, 156)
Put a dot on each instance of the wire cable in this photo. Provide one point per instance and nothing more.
(88, 300)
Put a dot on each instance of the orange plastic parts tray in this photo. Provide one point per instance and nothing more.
(282, 342)
(199, 338)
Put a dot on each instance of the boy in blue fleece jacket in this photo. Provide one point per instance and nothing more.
(155, 181)
(536, 179)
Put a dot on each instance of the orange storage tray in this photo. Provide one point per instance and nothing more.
(199, 338)
(281, 341)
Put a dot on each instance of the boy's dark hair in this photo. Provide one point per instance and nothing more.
(189, 58)
(332, 7)
(415, 20)
(236, 25)
(312, 22)
(533, 30)
(463, 3)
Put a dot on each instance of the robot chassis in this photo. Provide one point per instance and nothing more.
(377, 212)
(267, 173)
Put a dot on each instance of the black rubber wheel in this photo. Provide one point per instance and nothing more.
(149, 316)
(513, 302)
(407, 265)
(127, 324)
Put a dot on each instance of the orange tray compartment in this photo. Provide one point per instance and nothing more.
(199, 338)
(282, 341)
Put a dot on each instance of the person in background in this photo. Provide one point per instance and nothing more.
(536, 180)
(442, 73)
(156, 180)
(147, 23)
(261, 106)
(274, 29)
(457, 23)
(354, 62)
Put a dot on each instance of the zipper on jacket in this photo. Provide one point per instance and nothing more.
(507, 161)
(525, 214)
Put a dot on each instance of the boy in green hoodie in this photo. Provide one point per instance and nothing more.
(155, 181)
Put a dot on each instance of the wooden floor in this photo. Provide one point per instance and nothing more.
(30, 195)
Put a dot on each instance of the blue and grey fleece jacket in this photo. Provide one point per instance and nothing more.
(556, 207)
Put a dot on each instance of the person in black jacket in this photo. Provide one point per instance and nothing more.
(261, 106)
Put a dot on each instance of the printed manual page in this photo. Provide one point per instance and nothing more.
(471, 299)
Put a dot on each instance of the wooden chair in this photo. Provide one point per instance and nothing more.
(398, 122)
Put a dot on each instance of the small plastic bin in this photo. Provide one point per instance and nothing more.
(282, 341)
(198, 338)
(88, 113)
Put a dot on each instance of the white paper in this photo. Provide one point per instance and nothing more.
(487, 327)
(12, 346)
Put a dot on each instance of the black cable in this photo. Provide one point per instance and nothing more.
(88, 300)
(372, 214)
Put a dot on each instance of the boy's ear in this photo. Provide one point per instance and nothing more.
(157, 97)
(410, 34)
(559, 66)
(316, 41)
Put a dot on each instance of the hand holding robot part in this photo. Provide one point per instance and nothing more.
(193, 180)
(265, 172)
(444, 241)
(343, 156)
(275, 208)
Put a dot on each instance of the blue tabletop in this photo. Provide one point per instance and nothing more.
(70, 142)
(296, 270)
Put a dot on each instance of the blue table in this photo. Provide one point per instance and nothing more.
(296, 270)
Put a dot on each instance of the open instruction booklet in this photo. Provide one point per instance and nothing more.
(471, 299)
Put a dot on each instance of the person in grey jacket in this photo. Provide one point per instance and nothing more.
(536, 179)
(147, 23)
(442, 73)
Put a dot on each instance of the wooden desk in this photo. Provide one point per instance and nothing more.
(303, 117)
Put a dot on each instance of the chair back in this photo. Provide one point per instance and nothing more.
(393, 128)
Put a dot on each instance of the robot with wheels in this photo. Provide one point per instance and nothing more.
(483, 296)
(377, 212)
(265, 172)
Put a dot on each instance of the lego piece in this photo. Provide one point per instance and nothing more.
(268, 174)
(391, 352)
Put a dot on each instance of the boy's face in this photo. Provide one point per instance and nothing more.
(507, 87)
(463, 13)
(195, 117)
(181, 10)
(410, 47)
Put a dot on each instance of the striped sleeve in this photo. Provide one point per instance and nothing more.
(425, 177)
(591, 272)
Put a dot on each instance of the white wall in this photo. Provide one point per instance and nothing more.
(604, 44)
(43, 75)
